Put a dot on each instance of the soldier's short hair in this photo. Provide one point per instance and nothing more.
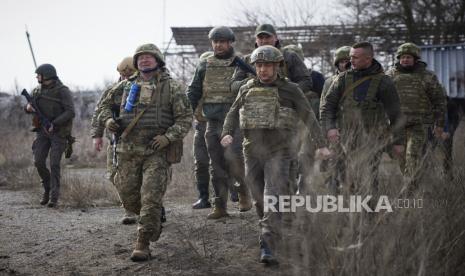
(367, 46)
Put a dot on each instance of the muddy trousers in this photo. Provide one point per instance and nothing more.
(42, 146)
(268, 177)
(224, 163)
(141, 181)
(202, 161)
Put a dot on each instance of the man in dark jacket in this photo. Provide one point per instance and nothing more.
(54, 101)
(365, 103)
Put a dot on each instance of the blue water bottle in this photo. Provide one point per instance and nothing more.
(131, 99)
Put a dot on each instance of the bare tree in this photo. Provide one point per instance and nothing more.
(277, 12)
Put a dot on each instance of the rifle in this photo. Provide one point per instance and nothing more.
(40, 120)
(244, 66)
(115, 136)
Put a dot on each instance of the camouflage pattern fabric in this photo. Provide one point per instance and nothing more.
(143, 173)
(141, 182)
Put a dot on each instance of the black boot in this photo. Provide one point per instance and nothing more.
(266, 257)
(45, 198)
(201, 204)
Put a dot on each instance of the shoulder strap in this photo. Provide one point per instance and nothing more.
(357, 83)
(134, 121)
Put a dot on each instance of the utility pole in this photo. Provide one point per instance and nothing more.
(30, 47)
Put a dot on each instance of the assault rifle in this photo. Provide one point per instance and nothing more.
(39, 119)
(244, 66)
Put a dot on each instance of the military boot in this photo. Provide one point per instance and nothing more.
(129, 217)
(266, 257)
(141, 251)
(245, 203)
(219, 210)
(45, 198)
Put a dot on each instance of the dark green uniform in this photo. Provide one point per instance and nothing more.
(268, 115)
(56, 103)
(367, 114)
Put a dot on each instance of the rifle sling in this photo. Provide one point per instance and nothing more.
(357, 83)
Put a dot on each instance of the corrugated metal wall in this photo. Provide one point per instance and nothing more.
(448, 62)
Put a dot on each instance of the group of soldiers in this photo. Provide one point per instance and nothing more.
(256, 125)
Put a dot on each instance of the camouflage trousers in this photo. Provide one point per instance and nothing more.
(202, 161)
(42, 146)
(268, 176)
(141, 181)
(111, 170)
(412, 161)
(224, 162)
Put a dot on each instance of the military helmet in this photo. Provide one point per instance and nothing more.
(296, 49)
(151, 49)
(341, 53)
(126, 66)
(47, 71)
(266, 53)
(408, 49)
(221, 33)
(205, 55)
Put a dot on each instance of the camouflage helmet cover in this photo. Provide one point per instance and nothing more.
(126, 66)
(296, 49)
(221, 33)
(341, 53)
(408, 49)
(47, 71)
(151, 49)
(266, 53)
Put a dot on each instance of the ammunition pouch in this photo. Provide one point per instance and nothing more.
(174, 152)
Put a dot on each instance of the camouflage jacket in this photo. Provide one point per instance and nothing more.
(98, 127)
(386, 97)
(293, 68)
(422, 98)
(268, 141)
(179, 106)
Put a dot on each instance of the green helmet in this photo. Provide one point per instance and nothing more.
(47, 71)
(408, 49)
(341, 53)
(205, 55)
(151, 49)
(296, 49)
(266, 53)
(221, 33)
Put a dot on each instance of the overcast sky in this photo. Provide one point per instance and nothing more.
(85, 39)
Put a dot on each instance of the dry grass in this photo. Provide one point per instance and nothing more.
(408, 241)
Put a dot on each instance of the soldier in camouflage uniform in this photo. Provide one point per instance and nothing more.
(55, 102)
(126, 69)
(364, 104)
(210, 88)
(268, 145)
(342, 64)
(422, 102)
(155, 115)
